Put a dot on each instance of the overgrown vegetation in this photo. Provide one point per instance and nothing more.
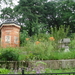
(9, 54)
(46, 70)
(43, 25)
(4, 71)
(40, 47)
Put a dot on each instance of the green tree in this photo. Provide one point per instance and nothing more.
(65, 13)
(7, 13)
(38, 16)
(6, 10)
(49, 16)
(28, 11)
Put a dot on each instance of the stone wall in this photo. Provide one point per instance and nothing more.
(57, 64)
(52, 64)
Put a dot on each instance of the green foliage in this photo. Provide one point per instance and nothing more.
(57, 33)
(9, 13)
(23, 35)
(42, 48)
(49, 13)
(35, 45)
(9, 54)
(60, 55)
(38, 28)
(33, 10)
(4, 71)
(47, 70)
(37, 48)
(72, 43)
(65, 13)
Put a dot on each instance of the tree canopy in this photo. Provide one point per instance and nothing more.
(38, 16)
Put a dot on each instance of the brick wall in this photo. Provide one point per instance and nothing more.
(10, 35)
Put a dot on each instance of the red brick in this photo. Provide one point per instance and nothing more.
(12, 32)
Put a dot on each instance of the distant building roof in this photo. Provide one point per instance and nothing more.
(10, 21)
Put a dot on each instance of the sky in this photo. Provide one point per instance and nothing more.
(3, 5)
(14, 1)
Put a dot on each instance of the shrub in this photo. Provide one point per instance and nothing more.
(9, 54)
(4, 71)
(59, 34)
(37, 50)
(72, 44)
(23, 35)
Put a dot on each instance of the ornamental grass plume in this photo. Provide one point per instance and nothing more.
(37, 42)
(51, 38)
(27, 39)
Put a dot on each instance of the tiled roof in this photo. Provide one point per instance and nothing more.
(10, 21)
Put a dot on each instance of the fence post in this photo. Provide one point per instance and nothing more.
(22, 71)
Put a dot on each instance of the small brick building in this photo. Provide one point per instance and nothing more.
(10, 31)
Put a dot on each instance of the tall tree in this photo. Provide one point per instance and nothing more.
(7, 13)
(6, 9)
(28, 12)
(49, 16)
(65, 13)
(38, 16)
